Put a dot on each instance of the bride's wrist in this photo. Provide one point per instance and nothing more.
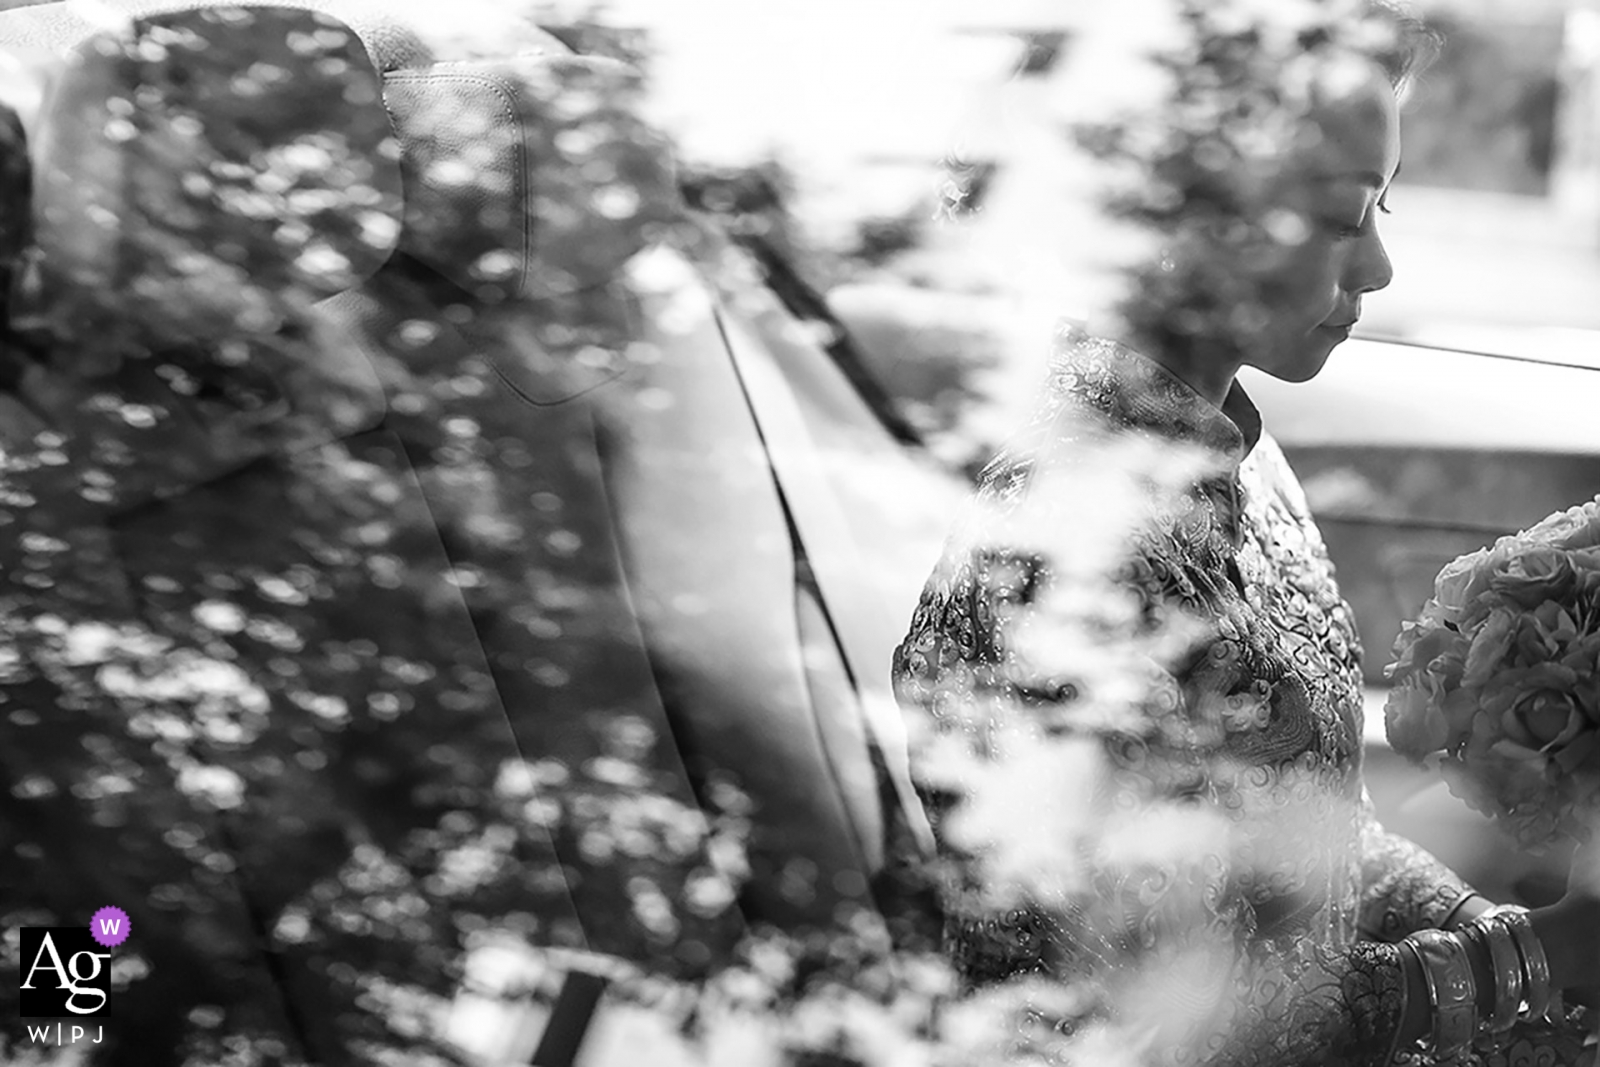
(1569, 931)
(1468, 908)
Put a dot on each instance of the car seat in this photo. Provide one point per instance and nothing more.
(581, 472)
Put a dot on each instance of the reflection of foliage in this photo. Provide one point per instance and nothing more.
(248, 628)
(589, 32)
(1484, 117)
(324, 216)
(755, 204)
(884, 237)
(312, 658)
(1202, 169)
(930, 350)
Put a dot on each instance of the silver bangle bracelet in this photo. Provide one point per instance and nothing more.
(1452, 991)
(1535, 966)
(1505, 962)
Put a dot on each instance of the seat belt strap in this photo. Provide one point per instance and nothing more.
(831, 550)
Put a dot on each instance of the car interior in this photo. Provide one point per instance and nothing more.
(535, 484)
(380, 401)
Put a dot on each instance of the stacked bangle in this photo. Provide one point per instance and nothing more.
(1497, 944)
(1452, 991)
(1503, 937)
(1535, 967)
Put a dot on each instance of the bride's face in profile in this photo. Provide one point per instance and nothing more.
(1335, 184)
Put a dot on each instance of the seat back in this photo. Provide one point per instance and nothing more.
(602, 371)
(500, 546)
(244, 698)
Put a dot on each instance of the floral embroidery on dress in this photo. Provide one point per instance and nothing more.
(1262, 722)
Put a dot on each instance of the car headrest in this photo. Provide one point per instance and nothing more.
(524, 175)
(55, 28)
(528, 176)
(193, 169)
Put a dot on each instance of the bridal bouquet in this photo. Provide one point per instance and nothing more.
(1501, 674)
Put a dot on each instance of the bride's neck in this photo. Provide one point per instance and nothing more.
(1209, 374)
(1209, 377)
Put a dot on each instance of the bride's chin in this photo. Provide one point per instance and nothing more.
(1304, 364)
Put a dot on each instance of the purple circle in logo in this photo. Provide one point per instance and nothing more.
(110, 926)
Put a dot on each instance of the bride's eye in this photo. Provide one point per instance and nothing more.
(1342, 228)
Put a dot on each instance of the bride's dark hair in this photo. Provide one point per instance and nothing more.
(1206, 189)
(1411, 50)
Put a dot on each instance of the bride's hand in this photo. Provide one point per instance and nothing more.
(1569, 930)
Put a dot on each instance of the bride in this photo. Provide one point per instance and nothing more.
(1338, 942)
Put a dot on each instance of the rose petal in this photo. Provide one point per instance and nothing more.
(1509, 749)
(1568, 721)
(1459, 708)
(1489, 647)
(1576, 754)
(1413, 721)
(1513, 729)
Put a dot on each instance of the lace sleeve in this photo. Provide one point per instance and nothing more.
(1318, 1005)
(1307, 1005)
(1165, 946)
(1165, 954)
(1403, 888)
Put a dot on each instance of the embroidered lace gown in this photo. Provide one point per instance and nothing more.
(1310, 889)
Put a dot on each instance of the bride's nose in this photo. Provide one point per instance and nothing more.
(1368, 269)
